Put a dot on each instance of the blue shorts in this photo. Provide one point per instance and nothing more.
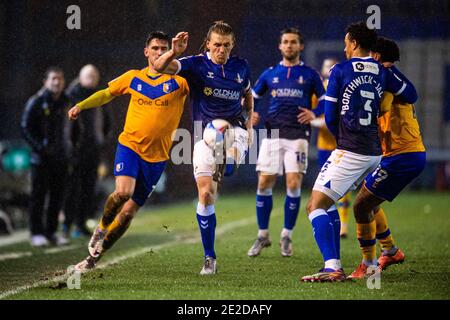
(394, 173)
(322, 156)
(147, 174)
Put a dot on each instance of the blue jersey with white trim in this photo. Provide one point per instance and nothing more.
(290, 88)
(353, 99)
(216, 90)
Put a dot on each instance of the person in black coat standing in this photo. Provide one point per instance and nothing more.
(44, 128)
(87, 136)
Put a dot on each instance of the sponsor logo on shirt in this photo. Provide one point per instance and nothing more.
(156, 102)
(287, 93)
(222, 93)
(369, 67)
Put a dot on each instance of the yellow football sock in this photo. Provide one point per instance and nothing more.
(366, 233)
(116, 230)
(383, 233)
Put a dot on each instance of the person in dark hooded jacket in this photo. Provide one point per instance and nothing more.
(44, 128)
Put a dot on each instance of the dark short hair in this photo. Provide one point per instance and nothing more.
(387, 49)
(366, 38)
(52, 69)
(294, 31)
(157, 35)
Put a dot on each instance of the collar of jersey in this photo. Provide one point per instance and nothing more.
(300, 64)
(363, 58)
(208, 55)
(154, 77)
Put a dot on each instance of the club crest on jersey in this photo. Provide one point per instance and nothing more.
(167, 87)
(210, 75)
(301, 80)
(239, 79)
(207, 91)
(275, 80)
(119, 167)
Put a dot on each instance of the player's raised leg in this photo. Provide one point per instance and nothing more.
(124, 189)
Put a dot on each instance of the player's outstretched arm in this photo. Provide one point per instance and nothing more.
(166, 63)
(95, 100)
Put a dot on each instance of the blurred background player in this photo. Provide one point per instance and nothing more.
(291, 84)
(352, 105)
(218, 83)
(326, 143)
(87, 135)
(154, 112)
(404, 158)
(44, 127)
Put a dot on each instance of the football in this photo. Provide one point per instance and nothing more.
(214, 132)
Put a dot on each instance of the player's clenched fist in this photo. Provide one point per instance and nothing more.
(179, 43)
(74, 112)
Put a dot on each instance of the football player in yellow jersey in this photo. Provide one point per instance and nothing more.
(404, 158)
(154, 112)
(326, 143)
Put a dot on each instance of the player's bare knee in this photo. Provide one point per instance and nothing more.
(206, 197)
(310, 206)
(362, 211)
(121, 196)
(293, 183)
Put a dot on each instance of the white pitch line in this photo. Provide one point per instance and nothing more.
(61, 249)
(14, 255)
(225, 228)
(16, 237)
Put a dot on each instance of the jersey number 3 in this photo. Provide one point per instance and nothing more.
(369, 96)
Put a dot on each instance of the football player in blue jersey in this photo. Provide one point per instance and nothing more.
(218, 83)
(352, 106)
(291, 85)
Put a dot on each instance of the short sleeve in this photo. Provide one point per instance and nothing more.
(260, 86)
(185, 66)
(247, 82)
(334, 84)
(120, 85)
(319, 90)
(394, 84)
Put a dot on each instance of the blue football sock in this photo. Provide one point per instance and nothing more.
(291, 208)
(323, 233)
(336, 221)
(229, 167)
(207, 226)
(263, 207)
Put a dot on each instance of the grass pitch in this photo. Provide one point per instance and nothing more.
(161, 255)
